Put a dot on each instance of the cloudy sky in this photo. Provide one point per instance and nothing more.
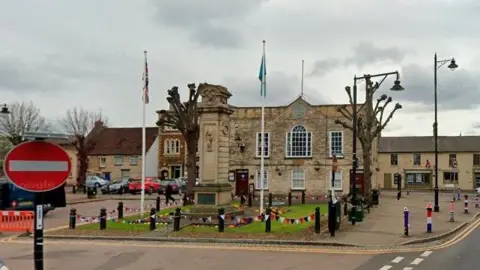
(62, 54)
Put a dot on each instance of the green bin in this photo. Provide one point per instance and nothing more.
(359, 215)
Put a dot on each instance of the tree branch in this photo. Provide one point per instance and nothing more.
(345, 112)
(344, 124)
(381, 125)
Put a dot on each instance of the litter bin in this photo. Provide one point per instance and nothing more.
(338, 209)
(375, 196)
(91, 192)
(358, 216)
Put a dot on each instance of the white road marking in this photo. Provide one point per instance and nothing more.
(426, 253)
(397, 259)
(386, 267)
(417, 261)
(408, 268)
(37, 166)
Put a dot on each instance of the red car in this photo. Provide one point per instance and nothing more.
(151, 186)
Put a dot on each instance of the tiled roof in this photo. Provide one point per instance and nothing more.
(425, 144)
(122, 141)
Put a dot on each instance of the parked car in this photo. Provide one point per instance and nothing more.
(116, 187)
(172, 182)
(151, 185)
(478, 190)
(182, 183)
(3, 265)
(95, 181)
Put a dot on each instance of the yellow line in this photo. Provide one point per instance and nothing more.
(348, 251)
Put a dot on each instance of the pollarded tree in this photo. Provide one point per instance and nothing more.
(183, 116)
(370, 123)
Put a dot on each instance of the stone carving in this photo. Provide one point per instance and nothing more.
(209, 98)
(224, 128)
(213, 95)
(209, 137)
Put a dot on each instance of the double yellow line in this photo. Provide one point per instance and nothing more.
(300, 249)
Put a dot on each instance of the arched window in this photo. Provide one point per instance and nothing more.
(298, 142)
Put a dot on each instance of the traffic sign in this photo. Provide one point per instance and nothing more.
(37, 166)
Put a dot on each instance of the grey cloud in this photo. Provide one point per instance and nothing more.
(281, 90)
(215, 23)
(363, 53)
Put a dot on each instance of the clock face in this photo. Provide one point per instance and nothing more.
(298, 110)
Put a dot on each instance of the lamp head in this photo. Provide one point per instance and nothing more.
(396, 86)
(453, 65)
(4, 109)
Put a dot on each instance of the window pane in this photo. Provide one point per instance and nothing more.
(336, 143)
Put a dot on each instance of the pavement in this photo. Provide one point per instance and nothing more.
(384, 225)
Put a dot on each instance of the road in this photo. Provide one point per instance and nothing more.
(88, 255)
(461, 256)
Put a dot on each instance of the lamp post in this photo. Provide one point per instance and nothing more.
(4, 109)
(438, 64)
(395, 87)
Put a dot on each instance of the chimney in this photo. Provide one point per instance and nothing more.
(98, 124)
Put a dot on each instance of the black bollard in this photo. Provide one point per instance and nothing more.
(303, 196)
(290, 198)
(317, 220)
(153, 219)
(221, 220)
(250, 197)
(345, 208)
(176, 220)
(73, 219)
(270, 199)
(74, 190)
(158, 203)
(268, 220)
(120, 210)
(103, 218)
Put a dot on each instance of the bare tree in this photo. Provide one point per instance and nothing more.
(371, 121)
(83, 125)
(23, 117)
(183, 116)
(5, 146)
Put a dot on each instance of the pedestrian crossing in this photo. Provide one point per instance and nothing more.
(400, 262)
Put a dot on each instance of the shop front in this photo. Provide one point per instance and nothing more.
(418, 179)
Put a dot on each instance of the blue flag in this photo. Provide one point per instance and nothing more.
(262, 74)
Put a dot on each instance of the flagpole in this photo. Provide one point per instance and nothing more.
(144, 145)
(262, 132)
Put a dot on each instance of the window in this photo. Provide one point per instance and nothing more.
(118, 160)
(133, 160)
(450, 177)
(298, 142)
(258, 181)
(298, 179)
(102, 162)
(171, 146)
(394, 159)
(266, 148)
(417, 159)
(336, 143)
(417, 178)
(125, 174)
(338, 183)
(451, 159)
(476, 159)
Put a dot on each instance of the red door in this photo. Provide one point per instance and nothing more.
(241, 182)
(359, 182)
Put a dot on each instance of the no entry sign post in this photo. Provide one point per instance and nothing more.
(37, 166)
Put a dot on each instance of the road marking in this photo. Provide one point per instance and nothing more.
(417, 261)
(397, 259)
(407, 268)
(426, 253)
(386, 267)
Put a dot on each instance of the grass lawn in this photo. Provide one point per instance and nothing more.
(294, 211)
(120, 226)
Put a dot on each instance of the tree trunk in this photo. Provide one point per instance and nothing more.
(82, 167)
(191, 164)
(367, 170)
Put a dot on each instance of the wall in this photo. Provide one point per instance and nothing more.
(151, 159)
(115, 170)
(72, 153)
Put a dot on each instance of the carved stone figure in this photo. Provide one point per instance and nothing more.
(209, 137)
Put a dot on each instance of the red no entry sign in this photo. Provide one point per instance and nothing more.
(37, 166)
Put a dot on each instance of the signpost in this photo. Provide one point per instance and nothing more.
(37, 166)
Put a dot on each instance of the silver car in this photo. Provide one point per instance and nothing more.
(3, 266)
(95, 181)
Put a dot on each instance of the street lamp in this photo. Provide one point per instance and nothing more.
(438, 64)
(4, 109)
(396, 87)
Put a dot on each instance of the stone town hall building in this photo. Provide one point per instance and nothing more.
(300, 139)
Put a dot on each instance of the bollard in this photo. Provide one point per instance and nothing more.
(157, 204)
(405, 221)
(317, 220)
(250, 199)
(74, 190)
(289, 198)
(458, 194)
(268, 220)
(303, 196)
(331, 218)
(221, 220)
(176, 220)
(270, 199)
(465, 202)
(477, 203)
(153, 219)
(103, 218)
(242, 199)
(120, 210)
(73, 219)
(452, 211)
(429, 218)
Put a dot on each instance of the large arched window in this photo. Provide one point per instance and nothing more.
(298, 142)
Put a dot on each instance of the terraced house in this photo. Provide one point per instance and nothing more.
(414, 159)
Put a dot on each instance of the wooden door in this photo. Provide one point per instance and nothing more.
(387, 181)
(241, 182)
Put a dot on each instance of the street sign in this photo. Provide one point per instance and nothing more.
(37, 166)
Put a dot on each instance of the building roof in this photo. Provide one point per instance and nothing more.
(425, 144)
(122, 141)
